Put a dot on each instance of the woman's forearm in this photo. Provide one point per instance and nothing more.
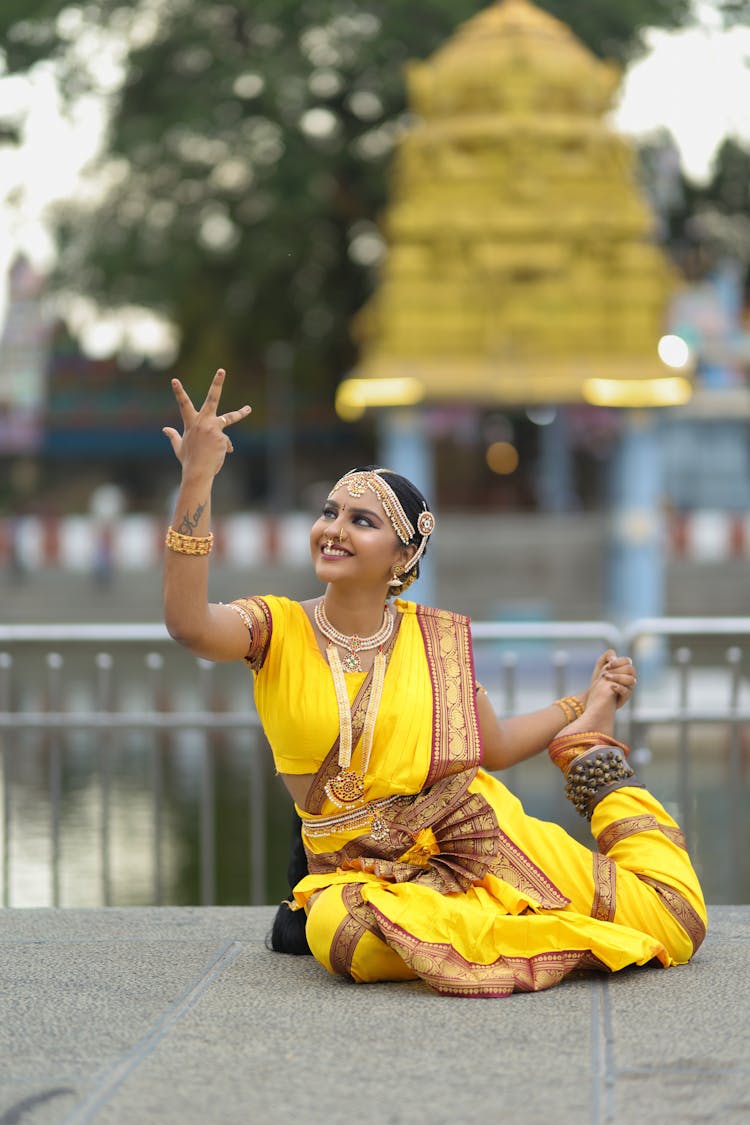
(186, 610)
(523, 736)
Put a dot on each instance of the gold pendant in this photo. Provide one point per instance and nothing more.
(345, 788)
(351, 663)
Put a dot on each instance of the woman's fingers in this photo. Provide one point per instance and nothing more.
(602, 663)
(187, 410)
(233, 416)
(201, 424)
(211, 404)
(621, 674)
(174, 439)
(622, 666)
(211, 401)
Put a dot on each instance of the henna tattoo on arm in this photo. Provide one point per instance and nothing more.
(189, 523)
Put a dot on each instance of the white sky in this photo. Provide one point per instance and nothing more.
(695, 83)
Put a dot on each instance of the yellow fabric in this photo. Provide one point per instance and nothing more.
(296, 702)
(539, 905)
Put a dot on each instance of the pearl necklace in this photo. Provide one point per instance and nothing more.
(348, 786)
(354, 644)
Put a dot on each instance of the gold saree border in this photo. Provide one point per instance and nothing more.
(680, 909)
(456, 741)
(358, 922)
(605, 888)
(449, 973)
(629, 826)
(260, 614)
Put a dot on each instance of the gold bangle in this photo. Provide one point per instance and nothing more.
(189, 544)
(571, 707)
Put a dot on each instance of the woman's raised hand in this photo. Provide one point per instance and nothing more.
(203, 445)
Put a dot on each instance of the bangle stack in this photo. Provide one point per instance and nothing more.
(571, 707)
(189, 544)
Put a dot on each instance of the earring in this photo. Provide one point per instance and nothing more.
(394, 579)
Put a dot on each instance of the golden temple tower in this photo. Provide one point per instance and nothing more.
(520, 264)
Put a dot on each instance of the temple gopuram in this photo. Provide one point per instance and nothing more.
(520, 266)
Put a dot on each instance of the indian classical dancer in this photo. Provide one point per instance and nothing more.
(418, 862)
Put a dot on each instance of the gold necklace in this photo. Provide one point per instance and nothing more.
(354, 644)
(347, 786)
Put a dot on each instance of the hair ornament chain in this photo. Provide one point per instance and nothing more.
(357, 483)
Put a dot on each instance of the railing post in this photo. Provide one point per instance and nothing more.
(257, 823)
(207, 828)
(683, 657)
(6, 671)
(104, 702)
(54, 703)
(155, 666)
(736, 849)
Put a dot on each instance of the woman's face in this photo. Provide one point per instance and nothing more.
(353, 539)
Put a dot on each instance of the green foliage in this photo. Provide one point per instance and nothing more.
(248, 160)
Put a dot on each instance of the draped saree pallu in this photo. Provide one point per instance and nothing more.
(440, 875)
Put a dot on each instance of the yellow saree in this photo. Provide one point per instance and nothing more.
(441, 875)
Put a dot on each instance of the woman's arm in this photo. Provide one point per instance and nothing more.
(509, 741)
(214, 632)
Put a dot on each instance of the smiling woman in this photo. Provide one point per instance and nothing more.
(412, 861)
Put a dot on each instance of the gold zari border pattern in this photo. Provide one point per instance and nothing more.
(680, 909)
(455, 727)
(605, 884)
(631, 825)
(262, 625)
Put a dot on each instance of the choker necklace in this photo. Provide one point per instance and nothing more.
(353, 644)
(348, 786)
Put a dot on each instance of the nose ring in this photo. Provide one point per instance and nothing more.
(341, 535)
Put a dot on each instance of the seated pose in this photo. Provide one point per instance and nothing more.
(419, 862)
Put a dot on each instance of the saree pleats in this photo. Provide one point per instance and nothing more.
(544, 907)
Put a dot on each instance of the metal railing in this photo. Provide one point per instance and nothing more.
(111, 683)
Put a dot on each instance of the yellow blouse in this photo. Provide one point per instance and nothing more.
(296, 702)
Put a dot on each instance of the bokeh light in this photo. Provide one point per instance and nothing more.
(673, 351)
(502, 457)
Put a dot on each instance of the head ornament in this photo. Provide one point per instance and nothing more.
(357, 483)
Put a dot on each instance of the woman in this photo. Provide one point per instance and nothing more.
(420, 864)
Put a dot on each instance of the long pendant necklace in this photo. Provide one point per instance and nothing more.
(348, 786)
(353, 644)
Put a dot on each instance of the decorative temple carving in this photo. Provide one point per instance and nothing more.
(520, 261)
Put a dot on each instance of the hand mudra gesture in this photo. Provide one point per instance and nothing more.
(203, 444)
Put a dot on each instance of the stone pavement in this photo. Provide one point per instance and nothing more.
(132, 1016)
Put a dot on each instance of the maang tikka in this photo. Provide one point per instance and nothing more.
(356, 483)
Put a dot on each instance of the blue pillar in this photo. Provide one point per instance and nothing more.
(636, 570)
(405, 446)
(555, 489)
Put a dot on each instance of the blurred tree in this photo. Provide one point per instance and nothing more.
(247, 157)
(712, 223)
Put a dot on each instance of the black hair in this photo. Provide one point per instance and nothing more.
(288, 931)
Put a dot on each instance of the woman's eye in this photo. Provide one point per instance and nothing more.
(363, 520)
(328, 513)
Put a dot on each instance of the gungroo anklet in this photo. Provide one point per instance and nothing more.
(594, 765)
